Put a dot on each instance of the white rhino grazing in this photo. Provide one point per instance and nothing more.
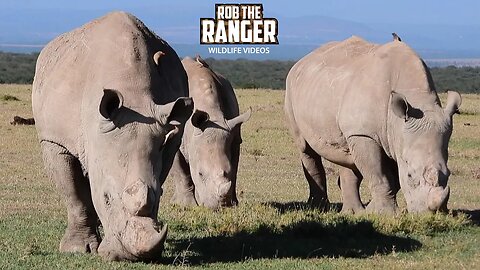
(373, 110)
(109, 101)
(205, 167)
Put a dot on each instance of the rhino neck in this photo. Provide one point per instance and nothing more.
(394, 130)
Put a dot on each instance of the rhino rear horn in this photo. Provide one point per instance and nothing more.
(454, 100)
(112, 100)
(239, 119)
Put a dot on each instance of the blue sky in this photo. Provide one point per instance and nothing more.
(409, 11)
(437, 27)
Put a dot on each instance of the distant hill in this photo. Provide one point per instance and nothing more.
(297, 35)
(244, 73)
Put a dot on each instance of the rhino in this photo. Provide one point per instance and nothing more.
(110, 100)
(205, 166)
(373, 110)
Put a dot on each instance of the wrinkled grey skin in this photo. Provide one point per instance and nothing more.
(205, 167)
(373, 110)
(109, 118)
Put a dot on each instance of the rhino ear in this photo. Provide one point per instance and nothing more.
(177, 112)
(454, 100)
(399, 105)
(112, 100)
(242, 118)
(199, 118)
(156, 57)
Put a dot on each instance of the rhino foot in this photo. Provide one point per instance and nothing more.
(321, 203)
(185, 199)
(384, 206)
(76, 241)
(352, 209)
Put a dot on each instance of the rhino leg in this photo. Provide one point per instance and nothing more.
(184, 188)
(349, 182)
(373, 164)
(317, 180)
(235, 160)
(81, 234)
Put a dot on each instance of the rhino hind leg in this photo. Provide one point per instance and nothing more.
(81, 234)
(184, 188)
(349, 182)
(373, 164)
(317, 180)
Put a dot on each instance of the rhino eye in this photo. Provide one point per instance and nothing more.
(201, 175)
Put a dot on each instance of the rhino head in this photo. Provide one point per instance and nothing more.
(132, 151)
(423, 133)
(131, 143)
(213, 155)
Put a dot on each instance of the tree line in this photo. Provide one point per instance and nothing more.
(242, 73)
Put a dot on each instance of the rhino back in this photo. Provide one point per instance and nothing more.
(315, 89)
(343, 89)
(112, 52)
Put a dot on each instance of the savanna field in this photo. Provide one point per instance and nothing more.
(272, 228)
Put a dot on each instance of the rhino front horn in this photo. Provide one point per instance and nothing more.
(156, 57)
(142, 240)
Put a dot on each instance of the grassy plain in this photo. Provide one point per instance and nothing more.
(271, 229)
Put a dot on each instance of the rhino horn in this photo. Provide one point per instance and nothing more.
(239, 119)
(142, 239)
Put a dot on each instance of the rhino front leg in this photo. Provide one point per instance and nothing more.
(81, 234)
(184, 188)
(349, 182)
(373, 164)
(235, 162)
(317, 180)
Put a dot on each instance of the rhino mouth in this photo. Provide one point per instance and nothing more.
(438, 198)
(221, 198)
(140, 240)
(428, 199)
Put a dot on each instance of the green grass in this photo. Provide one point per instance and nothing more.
(271, 229)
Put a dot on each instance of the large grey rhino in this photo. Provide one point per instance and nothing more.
(205, 167)
(373, 110)
(109, 105)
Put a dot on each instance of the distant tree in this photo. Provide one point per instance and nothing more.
(17, 67)
(243, 73)
(462, 79)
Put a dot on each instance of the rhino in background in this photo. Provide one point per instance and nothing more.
(205, 167)
(373, 110)
(109, 105)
